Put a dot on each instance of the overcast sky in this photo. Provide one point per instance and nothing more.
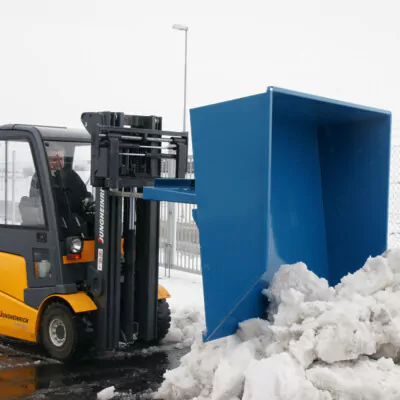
(61, 58)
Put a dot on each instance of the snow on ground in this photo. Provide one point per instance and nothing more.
(187, 316)
(319, 342)
(186, 289)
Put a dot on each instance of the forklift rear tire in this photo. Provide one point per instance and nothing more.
(163, 319)
(60, 332)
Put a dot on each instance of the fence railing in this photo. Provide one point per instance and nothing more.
(185, 255)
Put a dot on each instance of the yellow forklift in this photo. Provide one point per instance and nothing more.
(79, 270)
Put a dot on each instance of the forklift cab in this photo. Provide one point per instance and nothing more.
(78, 257)
(28, 223)
(37, 205)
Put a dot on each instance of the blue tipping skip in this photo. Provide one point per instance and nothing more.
(283, 177)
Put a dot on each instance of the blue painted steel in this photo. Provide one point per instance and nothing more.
(231, 151)
(283, 177)
(171, 190)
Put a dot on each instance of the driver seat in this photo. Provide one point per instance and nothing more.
(31, 211)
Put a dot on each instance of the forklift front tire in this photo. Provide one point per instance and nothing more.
(163, 319)
(60, 332)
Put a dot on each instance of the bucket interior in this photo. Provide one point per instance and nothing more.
(329, 185)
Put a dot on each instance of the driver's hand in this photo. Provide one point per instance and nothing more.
(89, 205)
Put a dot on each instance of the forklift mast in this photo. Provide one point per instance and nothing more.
(126, 155)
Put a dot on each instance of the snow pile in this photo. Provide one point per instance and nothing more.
(186, 322)
(107, 393)
(319, 343)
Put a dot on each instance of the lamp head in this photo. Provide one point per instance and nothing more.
(180, 27)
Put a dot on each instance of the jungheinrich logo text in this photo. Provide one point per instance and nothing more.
(13, 317)
(101, 217)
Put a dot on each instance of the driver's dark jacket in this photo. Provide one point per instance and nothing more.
(70, 189)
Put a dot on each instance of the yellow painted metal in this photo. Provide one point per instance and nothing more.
(80, 302)
(17, 319)
(163, 293)
(13, 279)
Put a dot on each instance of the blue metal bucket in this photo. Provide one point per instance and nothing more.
(283, 177)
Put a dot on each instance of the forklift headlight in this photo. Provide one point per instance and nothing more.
(74, 245)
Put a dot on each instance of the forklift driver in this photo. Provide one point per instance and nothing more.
(70, 193)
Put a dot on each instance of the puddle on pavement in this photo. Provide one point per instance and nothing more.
(24, 377)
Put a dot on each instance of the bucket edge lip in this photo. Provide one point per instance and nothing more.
(276, 89)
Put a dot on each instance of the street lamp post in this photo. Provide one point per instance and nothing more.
(172, 206)
(185, 29)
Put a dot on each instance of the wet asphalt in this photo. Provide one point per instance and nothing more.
(26, 372)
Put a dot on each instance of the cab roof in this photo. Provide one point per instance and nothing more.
(58, 133)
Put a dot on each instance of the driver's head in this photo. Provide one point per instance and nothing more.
(56, 155)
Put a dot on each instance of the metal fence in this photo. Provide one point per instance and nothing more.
(183, 253)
